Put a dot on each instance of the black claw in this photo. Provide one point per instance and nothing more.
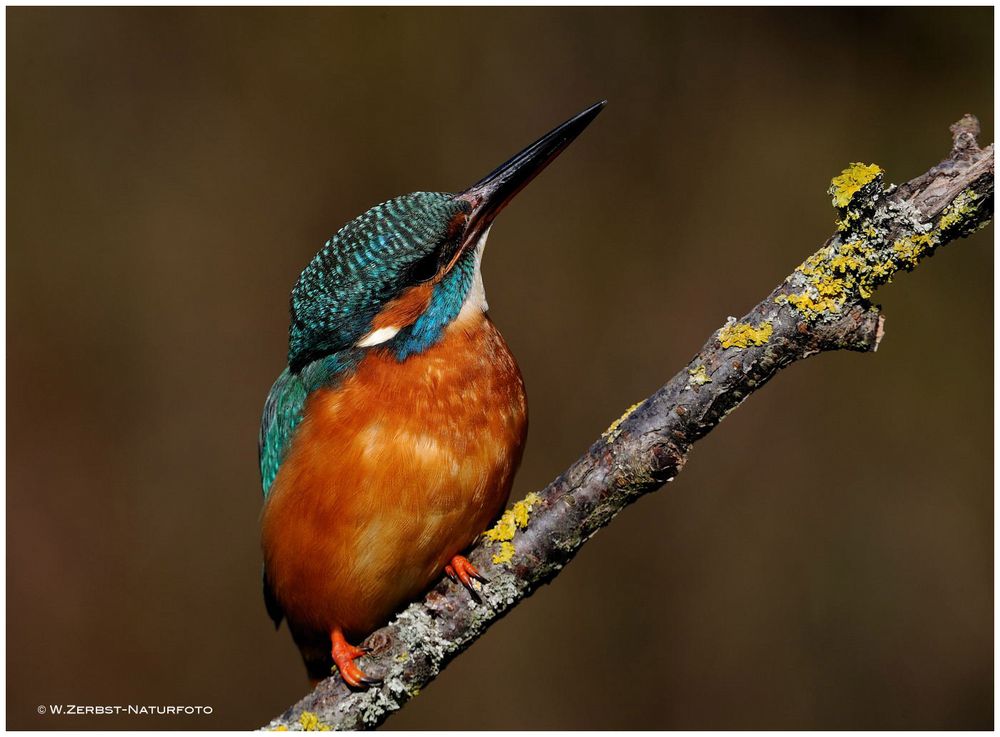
(481, 578)
(369, 681)
(472, 591)
(451, 575)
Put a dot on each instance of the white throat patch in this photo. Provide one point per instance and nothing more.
(475, 300)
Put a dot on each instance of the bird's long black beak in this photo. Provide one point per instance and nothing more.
(491, 194)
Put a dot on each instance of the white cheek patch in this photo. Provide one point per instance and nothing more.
(378, 336)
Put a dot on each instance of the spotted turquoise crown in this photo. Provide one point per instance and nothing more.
(370, 261)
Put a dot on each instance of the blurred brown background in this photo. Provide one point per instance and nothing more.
(170, 171)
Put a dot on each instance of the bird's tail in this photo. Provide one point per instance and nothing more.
(316, 654)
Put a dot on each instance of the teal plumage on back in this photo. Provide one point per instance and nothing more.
(282, 414)
(286, 402)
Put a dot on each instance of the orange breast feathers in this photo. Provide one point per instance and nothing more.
(390, 474)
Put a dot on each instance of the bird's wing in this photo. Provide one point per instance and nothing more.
(282, 414)
(285, 405)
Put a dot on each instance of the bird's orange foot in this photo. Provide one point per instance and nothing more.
(344, 655)
(460, 569)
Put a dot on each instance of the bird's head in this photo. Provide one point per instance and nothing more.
(400, 273)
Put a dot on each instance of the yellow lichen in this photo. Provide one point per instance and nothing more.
(844, 263)
(909, 250)
(523, 508)
(504, 529)
(514, 518)
(850, 181)
(882, 272)
(961, 207)
(699, 376)
(857, 262)
(809, 306)
(743, 334)
(829, 286)
(612, 431)
(847, 221)
(505, 555)
(280, 728)
(311, 723)
(507, 526)
(834, 272)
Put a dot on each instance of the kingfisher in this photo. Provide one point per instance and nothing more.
(390, 441)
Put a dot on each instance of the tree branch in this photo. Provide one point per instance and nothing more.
(821, 306)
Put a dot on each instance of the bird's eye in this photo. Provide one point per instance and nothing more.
(426, 268)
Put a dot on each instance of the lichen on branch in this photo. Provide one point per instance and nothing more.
(742, 334)
(878, 236)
